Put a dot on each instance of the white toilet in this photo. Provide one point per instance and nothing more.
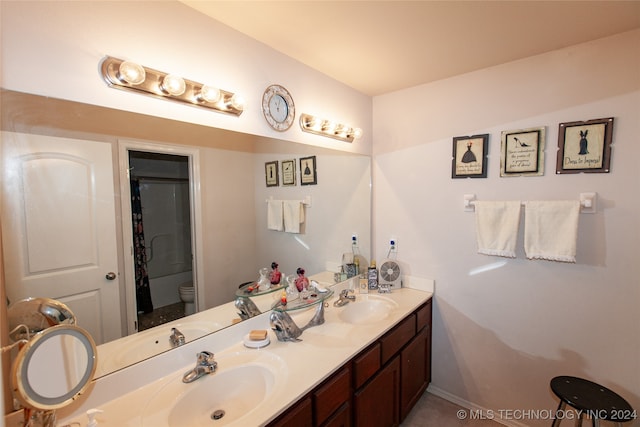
(188, 297)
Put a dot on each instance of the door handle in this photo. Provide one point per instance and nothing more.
(111, 276)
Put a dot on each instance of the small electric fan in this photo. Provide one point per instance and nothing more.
(390, 273)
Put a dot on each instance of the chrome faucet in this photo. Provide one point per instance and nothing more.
(205, 365)
(287, 330)
(344, 298)
(176, 338)
(247, 308)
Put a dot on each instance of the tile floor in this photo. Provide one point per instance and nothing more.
(432, 410)
(160, 315)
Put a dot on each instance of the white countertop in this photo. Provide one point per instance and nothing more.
(300, 366)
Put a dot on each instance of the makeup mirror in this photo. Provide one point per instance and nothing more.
(54, 368)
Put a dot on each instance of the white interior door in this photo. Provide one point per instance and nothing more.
(59, 228)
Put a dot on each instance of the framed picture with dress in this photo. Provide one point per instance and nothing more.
(470, 156)
(585, 146)
(522, 152)
(271, 173)
(308, 171)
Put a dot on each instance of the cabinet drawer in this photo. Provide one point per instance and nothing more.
(365, 365)
(331, 395)
(395, 339)
(424, 315)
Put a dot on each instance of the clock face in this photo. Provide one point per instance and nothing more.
(278, 108)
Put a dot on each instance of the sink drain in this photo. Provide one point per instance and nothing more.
(216, 415)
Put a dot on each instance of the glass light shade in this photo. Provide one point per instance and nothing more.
(132, 73)
(209, 94)
(357, 133)
(237, 102)
(328, 126)
(173, 85)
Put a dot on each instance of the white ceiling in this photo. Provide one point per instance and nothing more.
(382, 46)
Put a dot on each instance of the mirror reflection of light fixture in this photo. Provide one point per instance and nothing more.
(130, 76)
(328, 128)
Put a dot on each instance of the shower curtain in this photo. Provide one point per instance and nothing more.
(143, 292)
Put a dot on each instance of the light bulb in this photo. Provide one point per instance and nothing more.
(209, 94)
(328, 126)
(237, 102)
(132, 73)
(173, 85)
(357, 133)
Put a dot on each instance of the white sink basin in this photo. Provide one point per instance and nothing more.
(237, 388)
(367, 308)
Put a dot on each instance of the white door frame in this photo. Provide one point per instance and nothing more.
(124, 146)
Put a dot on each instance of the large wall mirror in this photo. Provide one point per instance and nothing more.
(217, 239)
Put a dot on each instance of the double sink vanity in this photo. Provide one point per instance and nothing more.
(367, 364)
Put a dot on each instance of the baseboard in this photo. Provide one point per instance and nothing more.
(478, 410)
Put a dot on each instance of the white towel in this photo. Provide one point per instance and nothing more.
(551, 230)
(497, 227)
(293, 215)
(274, 215)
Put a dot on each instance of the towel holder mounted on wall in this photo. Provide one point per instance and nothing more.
(306, 201)
(587, 202)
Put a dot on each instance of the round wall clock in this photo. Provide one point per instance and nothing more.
(278, 108)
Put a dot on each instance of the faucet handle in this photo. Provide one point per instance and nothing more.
(205, 358)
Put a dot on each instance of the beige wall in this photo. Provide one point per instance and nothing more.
(504, 327)
(53, 48)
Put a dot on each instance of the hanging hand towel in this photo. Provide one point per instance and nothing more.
(293, 215)
(274, 215)
(497, 227)
(551, 230)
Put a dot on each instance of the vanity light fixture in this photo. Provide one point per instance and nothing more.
(128, 75)
(328, 128)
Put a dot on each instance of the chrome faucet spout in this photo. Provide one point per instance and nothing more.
(205, 365)
(176, 338)
(246, 308)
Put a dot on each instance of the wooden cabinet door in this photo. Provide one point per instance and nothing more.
(415, 371)
(377, 403)
(341, 418)
(299, 415)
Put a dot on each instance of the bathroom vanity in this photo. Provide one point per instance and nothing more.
(369, 361)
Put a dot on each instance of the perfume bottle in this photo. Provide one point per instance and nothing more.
(275, 275)
(302, 283)
(263, 282)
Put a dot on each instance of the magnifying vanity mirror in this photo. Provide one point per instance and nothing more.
(235, 242)
(54, 367)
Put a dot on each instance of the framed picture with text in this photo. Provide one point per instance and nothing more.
(308, 171)
(522, 152)
(271, 173)
(470, 156)
(288, 172)
(585, 146)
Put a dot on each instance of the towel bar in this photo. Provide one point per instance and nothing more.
(587, 202)
(306, 201)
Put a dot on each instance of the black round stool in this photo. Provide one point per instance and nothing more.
(589, 398)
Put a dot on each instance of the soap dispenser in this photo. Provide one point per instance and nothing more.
(91, 414)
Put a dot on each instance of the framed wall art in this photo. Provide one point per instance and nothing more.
(308, 171)
(470, 156)
(271, 173)
(288, 172)
(522, 152)
(585, 146)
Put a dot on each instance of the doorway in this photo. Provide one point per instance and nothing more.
(161, 221)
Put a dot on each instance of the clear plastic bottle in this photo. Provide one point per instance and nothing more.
(372, 276)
